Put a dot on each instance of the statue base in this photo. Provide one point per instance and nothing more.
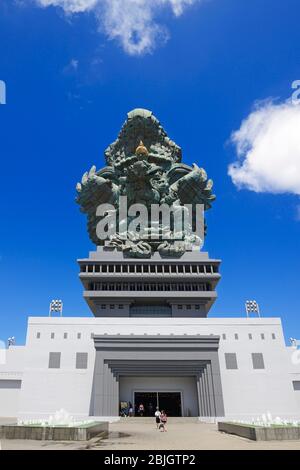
(117, 286)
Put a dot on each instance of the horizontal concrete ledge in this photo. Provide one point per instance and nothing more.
(54, 433)
(118, 256)
(142, 321)
(168, 340)
(158, 294)
(148, 275)
(258, 433)
(152, 343)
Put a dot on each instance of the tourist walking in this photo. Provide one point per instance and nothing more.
(157, 417)
(141, 410)
(124, 409)
(163, 421)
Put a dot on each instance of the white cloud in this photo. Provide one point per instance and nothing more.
(71, 67)
(74, 64)
(70, 6)
(131, 22)
(268, 149)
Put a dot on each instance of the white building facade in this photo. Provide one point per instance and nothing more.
(156, 347)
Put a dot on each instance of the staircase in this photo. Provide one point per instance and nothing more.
(150, 420)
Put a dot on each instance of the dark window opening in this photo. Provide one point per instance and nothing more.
(54, 360)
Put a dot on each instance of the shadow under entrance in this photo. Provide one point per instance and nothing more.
(170, 402)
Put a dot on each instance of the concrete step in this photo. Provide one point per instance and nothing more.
(149, 420)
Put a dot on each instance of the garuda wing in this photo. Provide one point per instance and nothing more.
(191, 185)
(96, 187)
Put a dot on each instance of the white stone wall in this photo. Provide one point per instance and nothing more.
(44, 390)
(11, 371)
(247, 392)
(293, 360)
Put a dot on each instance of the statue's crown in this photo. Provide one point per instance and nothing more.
(141, 149)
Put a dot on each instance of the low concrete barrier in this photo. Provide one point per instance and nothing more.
(54, 433)
(259, 433)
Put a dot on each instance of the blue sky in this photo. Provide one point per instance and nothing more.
(71, 79)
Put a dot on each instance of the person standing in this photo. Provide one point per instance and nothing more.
(130, 411)
(141, 410)
(163, 421)
(124, 408)
(157, 417)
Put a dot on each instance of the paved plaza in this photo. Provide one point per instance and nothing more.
(141, 435)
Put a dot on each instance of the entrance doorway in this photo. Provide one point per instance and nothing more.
(168, 401)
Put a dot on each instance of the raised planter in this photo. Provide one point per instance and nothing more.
(54, 433)
(260, 433)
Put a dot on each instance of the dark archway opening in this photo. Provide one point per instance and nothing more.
(170, 402)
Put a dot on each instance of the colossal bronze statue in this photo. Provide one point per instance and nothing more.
(144, 165)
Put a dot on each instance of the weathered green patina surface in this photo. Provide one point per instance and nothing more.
(145, 165)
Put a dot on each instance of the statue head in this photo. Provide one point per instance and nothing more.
(141, 124)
